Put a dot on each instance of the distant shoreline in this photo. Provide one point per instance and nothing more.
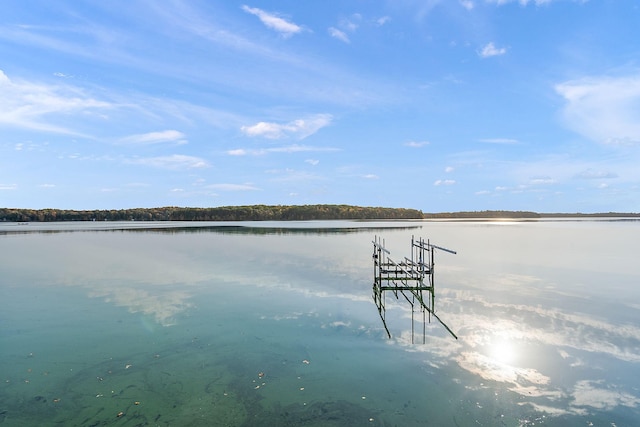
(280, 213)
(525, 215)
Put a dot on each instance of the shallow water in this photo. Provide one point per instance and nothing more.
(239, 324)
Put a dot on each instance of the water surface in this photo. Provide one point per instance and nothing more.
(241, 324)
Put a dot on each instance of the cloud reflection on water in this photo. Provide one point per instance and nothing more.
(549, 346)
(163, 307)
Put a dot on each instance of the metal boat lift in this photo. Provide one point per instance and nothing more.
(413, 278)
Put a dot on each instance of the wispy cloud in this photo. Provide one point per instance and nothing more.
(596, 174)
(604, 109)
(467, 4)
(440, 182)
(4, 187)
(238, 152)
(299, 129)
(416, 144)
(490, 50)
(537, 180)
(165, 136)
(338, 34)
(284, 149)
(35, 106)
(299, 149)
(173, 162)
(274, 22)
(350, 25)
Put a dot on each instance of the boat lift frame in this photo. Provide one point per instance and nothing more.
(413, 278)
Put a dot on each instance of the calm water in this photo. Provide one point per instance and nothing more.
(273, 324)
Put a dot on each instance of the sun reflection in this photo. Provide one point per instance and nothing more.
(503, 352)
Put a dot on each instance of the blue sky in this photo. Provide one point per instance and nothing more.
(438, 105)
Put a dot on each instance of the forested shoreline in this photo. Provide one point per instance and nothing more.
(274, 213)
(224, 213)
(525, 215)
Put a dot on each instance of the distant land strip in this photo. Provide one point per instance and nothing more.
(525, 215)
(224, 213)
(275, 213)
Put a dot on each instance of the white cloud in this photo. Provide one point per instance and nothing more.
(8, 187)
(298, 149)
(33, 106)
(596, 174)
(155, 138)
(284, 149)
(383, 20)
(603, 109)
(349, 25)
(238, 152)
(173, 162)
(266, 130)
(491, 50)
(449, 169)
(233, 187)
(299, 129)
(416, 144)
(274, 22)
(440, 182)
(467, 4)
(370, 176)
(337, 34)
(542, 180)
(312, 162)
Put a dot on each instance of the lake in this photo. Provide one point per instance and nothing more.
(274, 324)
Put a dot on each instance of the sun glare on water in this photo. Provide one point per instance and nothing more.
(503, 352)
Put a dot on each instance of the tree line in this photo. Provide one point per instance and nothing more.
(500, 214)
(224, 213)
(272, 213)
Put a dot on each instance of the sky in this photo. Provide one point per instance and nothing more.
(437, 105)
